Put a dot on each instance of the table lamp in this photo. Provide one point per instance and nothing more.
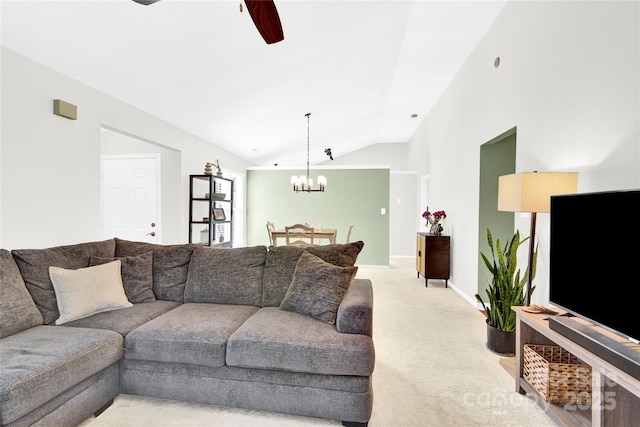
(531, 192)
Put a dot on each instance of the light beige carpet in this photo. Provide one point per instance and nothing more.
(432, 369)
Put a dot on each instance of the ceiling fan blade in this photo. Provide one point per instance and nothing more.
(146, 2)
(266, 19)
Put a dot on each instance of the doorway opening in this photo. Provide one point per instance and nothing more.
(169, 224)
(497, 157)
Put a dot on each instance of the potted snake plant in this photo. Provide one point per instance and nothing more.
(506, 290)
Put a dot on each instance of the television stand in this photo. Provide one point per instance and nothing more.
(609, 349)
(615, 393)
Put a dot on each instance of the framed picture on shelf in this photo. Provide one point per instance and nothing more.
(218, 214)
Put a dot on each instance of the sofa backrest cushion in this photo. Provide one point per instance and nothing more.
(137, 275)
(226, 276)
(282, 260)
(34, 267)
(170, 266)
(17, 309)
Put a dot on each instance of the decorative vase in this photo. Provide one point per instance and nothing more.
(436, 229)
(501, 342)
(208, 169)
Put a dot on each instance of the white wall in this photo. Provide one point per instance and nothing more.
(50, 166)
(569, 81)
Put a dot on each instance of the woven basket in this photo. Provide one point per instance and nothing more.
(559, 376)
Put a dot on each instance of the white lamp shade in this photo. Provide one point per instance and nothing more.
(532, 191)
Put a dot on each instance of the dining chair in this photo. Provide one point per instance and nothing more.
(315, 224)
(299, 234)
(349, 233)
(270, 229)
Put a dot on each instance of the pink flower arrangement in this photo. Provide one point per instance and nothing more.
(435, 217)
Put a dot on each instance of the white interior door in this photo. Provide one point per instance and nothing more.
(131, 197)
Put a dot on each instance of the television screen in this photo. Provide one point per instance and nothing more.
(594, 270)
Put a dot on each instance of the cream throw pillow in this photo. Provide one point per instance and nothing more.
(86, 291)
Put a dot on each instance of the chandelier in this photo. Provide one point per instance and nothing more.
(304, 182)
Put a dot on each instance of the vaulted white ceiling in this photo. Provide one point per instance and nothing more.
(361, 68)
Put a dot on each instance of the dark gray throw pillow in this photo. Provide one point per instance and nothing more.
(282, 260)
(317, 288)
(170, 266)
(340, 254)
(17, 309)
(137, 275)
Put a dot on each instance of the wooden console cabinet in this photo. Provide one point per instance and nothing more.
(615, 394)
(432, 257)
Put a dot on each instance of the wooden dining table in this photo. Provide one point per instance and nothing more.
(325, 233)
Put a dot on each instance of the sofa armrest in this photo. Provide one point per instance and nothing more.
(355, 313)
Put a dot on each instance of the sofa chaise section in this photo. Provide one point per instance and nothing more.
(52, 375)
(42, 363)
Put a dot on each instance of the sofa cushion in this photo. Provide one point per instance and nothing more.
(17, 309)
(170, 266)
(192, 333)
(137, 275)
(34, 267)
(278, 271)
(317, 288)
(281, 340)
(127, 319)
(282, 260)
(40, 363)
(86, 291)
(226, 276)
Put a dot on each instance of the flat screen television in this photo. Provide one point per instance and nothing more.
(594, 270)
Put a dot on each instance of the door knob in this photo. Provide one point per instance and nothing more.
(153, 224)
(152, 234)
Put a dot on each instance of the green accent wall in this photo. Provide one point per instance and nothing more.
(497, 158)
(352, 196)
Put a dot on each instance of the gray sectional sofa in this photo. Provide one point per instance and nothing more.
(282, 329)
